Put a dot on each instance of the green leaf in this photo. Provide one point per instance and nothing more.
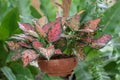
(21, 77)
(23, 7)
(9, 24)
(92, 9)
(46, 77)
(111, 20)
(24, 10)
(111, 68)
(11, 53)
(92, 54)
(81, 72)
(117, 77)
(49, 9)
(21, 72)
(3, 54)
(8, 73)
(34, 12)
(74, 6)
(98, 72)
(34, 70)
(4, 8)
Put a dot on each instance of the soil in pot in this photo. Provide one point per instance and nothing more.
(58, 65)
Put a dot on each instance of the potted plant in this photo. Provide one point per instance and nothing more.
(56, 44)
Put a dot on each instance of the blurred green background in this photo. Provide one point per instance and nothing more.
(98, 65)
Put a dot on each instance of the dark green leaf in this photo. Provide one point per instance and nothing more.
(3, 54)
(34, 70)
(34, 12)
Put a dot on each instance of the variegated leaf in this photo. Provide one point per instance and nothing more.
(47, 52)
(39, 29)
(28, 56)
(80, 53)
(100, 42)
(42, 21)
(48, 26)
(13, 45)
(16, 56)
(32, 33)
(25, 26)
(24, 44)
(91, 25)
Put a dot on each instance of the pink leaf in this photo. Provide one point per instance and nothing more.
(48, 26)
(58, 51)
(25, 26)
(36, 44)
(24, 44)
(91, 26)
(28, 56)
(51, 47)
(100, 42)
(54, 33)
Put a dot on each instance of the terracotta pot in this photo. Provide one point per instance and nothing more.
(58, 67)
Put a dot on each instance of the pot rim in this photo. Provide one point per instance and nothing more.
(62, 58)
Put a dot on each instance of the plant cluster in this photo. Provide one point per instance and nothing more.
(64, 35)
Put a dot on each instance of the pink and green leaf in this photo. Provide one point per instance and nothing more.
(91, 25)
(28, 56)
(100, 42)
(36, 44)
(39, 30)
(25, 26)
(54, 32)
(47, 52)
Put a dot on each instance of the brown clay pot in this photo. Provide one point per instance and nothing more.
(58, 67)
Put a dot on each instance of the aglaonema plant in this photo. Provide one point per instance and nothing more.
(46, 39)
(64, 36)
